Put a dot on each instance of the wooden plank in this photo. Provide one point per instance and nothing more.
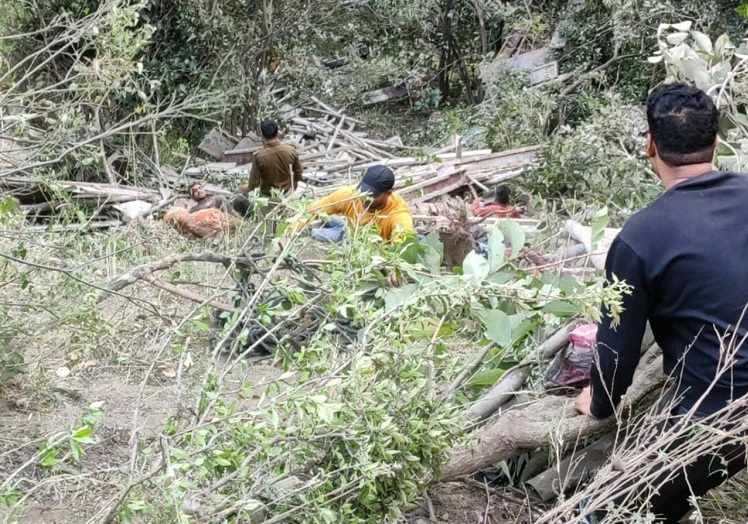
(329, 109)
(523, 156)
(482, 187)
(250, 142)
(544, 73)
(512, 42)
(239, 156)
(335, 133)
(442, 174)
(317, 154)
(440, 192)
(219, 167)
(458, 178)
(325, 111)
(503, 177)
(442, 185)
(243, 169)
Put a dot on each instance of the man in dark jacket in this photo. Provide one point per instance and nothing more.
(686, 258)
(276, 166)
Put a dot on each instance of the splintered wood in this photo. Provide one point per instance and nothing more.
(334, 150)
(110, 204)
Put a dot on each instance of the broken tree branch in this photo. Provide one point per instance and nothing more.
(533, 425)
(513, 379)
(470, 368)
(581, 80)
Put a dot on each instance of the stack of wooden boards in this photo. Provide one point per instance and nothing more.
(333, 150)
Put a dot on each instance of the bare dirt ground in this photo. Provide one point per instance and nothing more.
(459, 503)
(70, 494)
(124, 360)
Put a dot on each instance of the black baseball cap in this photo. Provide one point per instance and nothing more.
(377, 180)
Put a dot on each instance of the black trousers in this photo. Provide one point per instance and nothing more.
(671, 502)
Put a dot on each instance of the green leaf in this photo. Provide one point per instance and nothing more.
(702, 41)
(49, 459)
(486, 378)
(502, 277)
(740, 119)
(498, 326)
(76, 450)
(599, 224)
(137, 505)
(742, 10)
(561, 308)
(496, 250)
(326, 411)
(83, 432)
(525, 328)
(432, 240)
(680, 26)
(475, 265)
(433, 253)
(410, 249)
(222, 461)
(83, 436)
(569, 285)
(399, 297)
(516, 235)
(676, 38)
(10, 498)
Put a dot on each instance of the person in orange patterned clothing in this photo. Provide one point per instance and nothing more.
(209, 217)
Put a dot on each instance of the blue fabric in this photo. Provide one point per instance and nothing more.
(331, 231)
(588, 519)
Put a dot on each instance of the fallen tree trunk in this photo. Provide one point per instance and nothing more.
(537, 423)
(147, 272)
(29, 190)
(513, 380)
(581, 465)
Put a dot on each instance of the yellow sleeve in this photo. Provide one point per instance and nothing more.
(332, 204)
(402, 226)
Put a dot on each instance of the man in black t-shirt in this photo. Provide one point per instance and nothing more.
(686, 258)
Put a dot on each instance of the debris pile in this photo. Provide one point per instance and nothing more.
(334, 150)
(114, 204)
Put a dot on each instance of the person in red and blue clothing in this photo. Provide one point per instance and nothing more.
(500, 209)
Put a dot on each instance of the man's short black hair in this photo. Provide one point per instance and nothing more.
(241, 205)
(683, 122)
(502, 195)
(269, 129)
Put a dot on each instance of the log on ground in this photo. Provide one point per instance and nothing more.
(537, 423)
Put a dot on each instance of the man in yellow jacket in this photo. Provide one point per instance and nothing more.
(372, 200)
